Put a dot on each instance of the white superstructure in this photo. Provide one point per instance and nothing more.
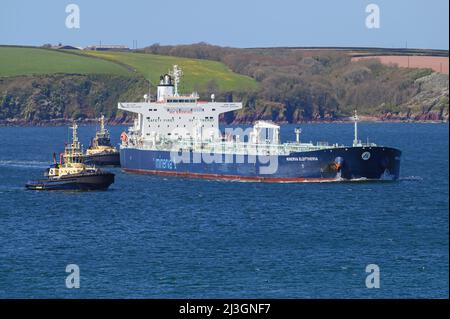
(172, 116)
(173, 121)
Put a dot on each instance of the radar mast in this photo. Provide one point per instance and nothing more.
(176, 74)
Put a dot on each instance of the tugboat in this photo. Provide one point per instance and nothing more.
(100, 151)
(71, 173)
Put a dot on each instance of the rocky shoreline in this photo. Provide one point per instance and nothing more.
(388, 118)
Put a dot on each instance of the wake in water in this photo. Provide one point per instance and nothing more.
(400, 179)
(411, 178)
(24, 164)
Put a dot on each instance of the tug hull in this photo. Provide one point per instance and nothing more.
(76, 182)
(103, 159)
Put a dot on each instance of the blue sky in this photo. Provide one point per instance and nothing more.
(237, 23)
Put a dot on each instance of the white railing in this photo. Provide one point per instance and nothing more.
(229, 147)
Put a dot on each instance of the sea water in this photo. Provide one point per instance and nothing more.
(168, 237)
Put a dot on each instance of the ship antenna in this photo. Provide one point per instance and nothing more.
(177, 73)
(355, 119)
(74, 133)
(297, 134)
(102, 123)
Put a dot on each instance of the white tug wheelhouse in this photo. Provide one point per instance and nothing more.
(172, 116)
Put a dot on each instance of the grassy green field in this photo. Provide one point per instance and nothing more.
(31, 61)
(197, 73)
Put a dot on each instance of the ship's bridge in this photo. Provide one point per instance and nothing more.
(182, 99)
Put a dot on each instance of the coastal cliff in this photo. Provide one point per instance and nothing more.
(293, 87)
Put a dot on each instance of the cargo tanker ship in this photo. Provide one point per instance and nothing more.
(179, 135)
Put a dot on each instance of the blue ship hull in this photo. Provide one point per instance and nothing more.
(372, 163)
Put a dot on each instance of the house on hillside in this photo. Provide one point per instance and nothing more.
(107, 47)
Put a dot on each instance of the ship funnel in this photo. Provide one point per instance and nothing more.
(165, 88)
(167, 80)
